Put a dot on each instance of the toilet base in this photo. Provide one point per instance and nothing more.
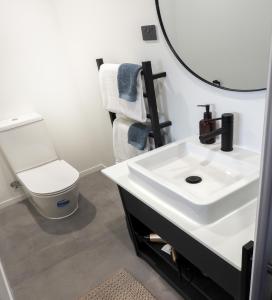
(58, 206)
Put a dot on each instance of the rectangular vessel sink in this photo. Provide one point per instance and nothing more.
(221, 183)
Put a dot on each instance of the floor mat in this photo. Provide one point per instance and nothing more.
(121, 286)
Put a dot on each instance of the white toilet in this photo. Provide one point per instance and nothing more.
(51, 183)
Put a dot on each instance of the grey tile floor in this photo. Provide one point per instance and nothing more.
(61, 260)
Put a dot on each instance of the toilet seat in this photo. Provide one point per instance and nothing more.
(56, 193)
(49, 179)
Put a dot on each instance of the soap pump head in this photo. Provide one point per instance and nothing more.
(207, 114)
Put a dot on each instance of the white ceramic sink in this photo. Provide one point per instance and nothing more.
(229, 179)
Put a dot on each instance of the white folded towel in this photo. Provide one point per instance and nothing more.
(121, 148)
(111, 101)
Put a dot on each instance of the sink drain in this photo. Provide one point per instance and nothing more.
(193, 179)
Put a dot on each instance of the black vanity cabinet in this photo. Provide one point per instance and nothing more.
(198, 273)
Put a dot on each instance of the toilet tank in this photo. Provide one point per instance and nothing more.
(25, 142)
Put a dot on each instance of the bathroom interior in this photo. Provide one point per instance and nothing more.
(135, 150)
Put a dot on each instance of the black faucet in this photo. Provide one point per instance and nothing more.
(226, 130)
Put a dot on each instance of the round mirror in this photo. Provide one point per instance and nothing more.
(224, 43)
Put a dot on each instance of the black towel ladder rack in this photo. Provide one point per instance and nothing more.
(153, 115)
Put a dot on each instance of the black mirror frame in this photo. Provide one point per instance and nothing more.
(184, 64)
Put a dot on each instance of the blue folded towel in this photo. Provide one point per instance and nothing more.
(137, 135)
(127, 81)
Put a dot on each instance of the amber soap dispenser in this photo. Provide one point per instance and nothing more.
(207, 125)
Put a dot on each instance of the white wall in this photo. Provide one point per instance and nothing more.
(47, 58)
(111, 29)
(36, 74)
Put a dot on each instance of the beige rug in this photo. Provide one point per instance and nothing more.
(121, 286)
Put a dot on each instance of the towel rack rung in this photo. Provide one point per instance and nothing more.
(159, 75)
(112, 116)
(99, 62)
(162, 125)
(156, 76)
(165, 124)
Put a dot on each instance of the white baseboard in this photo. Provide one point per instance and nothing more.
(92, 170)
(12, 200)
(22, 196)
(5, 290)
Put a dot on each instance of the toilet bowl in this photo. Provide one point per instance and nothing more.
(50, 183)
(52, 188)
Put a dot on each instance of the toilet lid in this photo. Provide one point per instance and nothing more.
(50, 178)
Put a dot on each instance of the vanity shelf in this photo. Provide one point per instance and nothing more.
(198, 273)
(155, 247)
(186, 277)
(185, 288)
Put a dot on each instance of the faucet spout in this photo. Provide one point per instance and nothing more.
(203, 138)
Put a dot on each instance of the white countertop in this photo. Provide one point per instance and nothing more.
(226, 237)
